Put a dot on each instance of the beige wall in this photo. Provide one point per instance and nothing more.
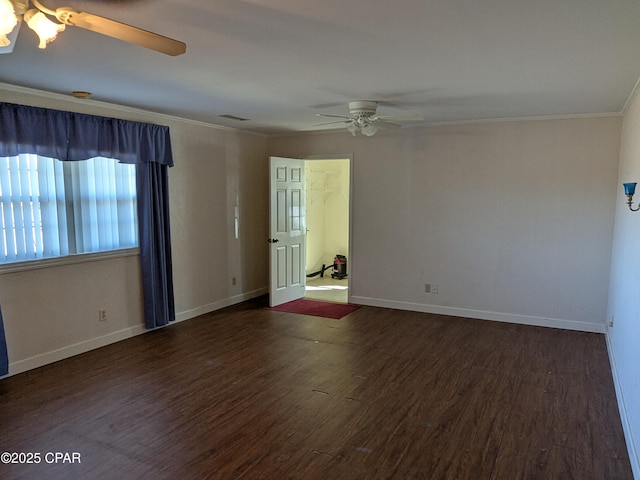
(512, 220)
(52, 313)
(624, 302)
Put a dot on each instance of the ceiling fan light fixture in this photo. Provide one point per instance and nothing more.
(352, 128)
(369, 129)
(46, 30)
(8, 21)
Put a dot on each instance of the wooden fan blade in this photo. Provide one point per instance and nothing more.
(122, 31)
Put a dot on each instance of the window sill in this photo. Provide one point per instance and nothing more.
(67, 260)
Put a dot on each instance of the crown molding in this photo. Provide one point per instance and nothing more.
(137, 111)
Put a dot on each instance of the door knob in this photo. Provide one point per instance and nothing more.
(273, 240)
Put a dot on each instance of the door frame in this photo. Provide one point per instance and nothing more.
(350, 212)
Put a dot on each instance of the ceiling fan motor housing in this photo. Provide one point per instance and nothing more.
(363, 111)
(362, 108)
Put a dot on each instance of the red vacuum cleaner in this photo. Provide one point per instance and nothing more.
(339, 268)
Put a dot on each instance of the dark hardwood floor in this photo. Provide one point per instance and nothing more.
(251, 393)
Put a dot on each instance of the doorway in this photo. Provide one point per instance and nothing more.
(328, 182)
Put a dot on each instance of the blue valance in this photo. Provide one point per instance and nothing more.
(78, 136)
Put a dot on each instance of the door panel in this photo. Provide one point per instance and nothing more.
(281, 212)
(287, 230)
(281, 269)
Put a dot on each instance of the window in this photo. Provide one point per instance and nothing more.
(50, 208)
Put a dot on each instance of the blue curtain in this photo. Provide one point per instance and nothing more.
(70, 136)
(155, 243)
(4, 359)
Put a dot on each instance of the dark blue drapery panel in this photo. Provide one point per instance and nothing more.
(4, 359)
(77, 136)
(155, 244)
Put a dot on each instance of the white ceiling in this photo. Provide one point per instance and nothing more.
(279, 62)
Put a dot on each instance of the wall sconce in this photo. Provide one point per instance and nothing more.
(630, 190)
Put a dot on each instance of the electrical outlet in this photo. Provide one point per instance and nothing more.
(102, 315)
(611, 322)
(233, 281)
(430, 288)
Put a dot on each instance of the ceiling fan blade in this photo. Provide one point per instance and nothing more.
(383, 124)
(331, 123)
(122, 31)
(332, 116)
(401, 118)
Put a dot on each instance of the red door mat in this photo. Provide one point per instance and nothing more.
(317, 308)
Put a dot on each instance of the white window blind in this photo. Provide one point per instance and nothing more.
(50, 208)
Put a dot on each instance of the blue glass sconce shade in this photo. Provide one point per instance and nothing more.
(629, 188)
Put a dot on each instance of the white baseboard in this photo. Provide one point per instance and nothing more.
(482, 315)
(71, 350)
(46, 358)
(87, 345)
(634, 456)
(227, 302)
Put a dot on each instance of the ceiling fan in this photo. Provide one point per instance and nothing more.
(363, 118)
(12, 12)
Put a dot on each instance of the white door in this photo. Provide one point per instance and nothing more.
(287, 230)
